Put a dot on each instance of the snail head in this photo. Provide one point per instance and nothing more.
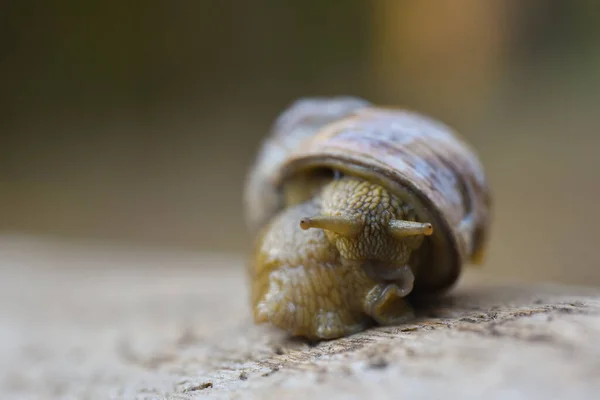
(367, 223)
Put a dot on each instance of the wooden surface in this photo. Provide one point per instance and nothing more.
(95, 323)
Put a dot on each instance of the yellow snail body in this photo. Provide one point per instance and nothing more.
(355, 207)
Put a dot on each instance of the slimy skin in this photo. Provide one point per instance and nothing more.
(334, 264)
(374, 207)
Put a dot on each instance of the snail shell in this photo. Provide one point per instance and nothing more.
(419, 161)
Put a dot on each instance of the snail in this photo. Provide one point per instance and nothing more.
(355, 208)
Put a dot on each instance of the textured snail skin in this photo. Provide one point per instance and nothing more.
(318, 284)
(327, 178)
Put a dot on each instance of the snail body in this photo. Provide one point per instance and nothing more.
(355, 207)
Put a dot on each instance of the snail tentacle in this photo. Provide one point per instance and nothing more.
(341, 225)
(401, 229)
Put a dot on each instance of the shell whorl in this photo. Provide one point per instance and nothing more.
(416, 157)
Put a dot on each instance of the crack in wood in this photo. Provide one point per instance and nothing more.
(359, 341)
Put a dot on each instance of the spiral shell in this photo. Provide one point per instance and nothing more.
(421, 160)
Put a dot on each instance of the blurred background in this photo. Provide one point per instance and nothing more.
(136, 124)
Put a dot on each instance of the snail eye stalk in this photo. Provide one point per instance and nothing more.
(341, 225)
(401, 229)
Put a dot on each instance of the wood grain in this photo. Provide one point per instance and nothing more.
(92, 322)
